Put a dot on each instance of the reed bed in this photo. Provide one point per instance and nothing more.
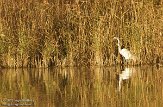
(46, 33)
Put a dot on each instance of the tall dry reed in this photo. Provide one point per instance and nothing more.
(43, 33)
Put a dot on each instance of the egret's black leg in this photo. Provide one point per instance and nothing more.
(127, 62)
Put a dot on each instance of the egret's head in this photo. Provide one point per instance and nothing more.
(116, 38)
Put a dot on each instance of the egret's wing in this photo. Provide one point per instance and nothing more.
(126, 53)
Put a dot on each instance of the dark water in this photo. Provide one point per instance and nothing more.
(82, 87)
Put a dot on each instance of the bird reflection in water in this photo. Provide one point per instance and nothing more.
(124, 76)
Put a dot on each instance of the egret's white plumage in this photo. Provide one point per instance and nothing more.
(124, 52)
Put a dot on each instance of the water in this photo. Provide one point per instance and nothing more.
(82, 87)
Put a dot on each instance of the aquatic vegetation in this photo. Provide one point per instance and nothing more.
(46, 33)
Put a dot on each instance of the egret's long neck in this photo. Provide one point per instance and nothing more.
(119, 46)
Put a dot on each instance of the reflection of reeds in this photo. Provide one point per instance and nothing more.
(80, 87)
(42, 34)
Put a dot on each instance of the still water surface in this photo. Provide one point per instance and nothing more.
(82, 87)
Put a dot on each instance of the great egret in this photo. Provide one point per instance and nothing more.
(125, 52)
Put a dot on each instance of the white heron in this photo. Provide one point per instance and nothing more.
(125, 52)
